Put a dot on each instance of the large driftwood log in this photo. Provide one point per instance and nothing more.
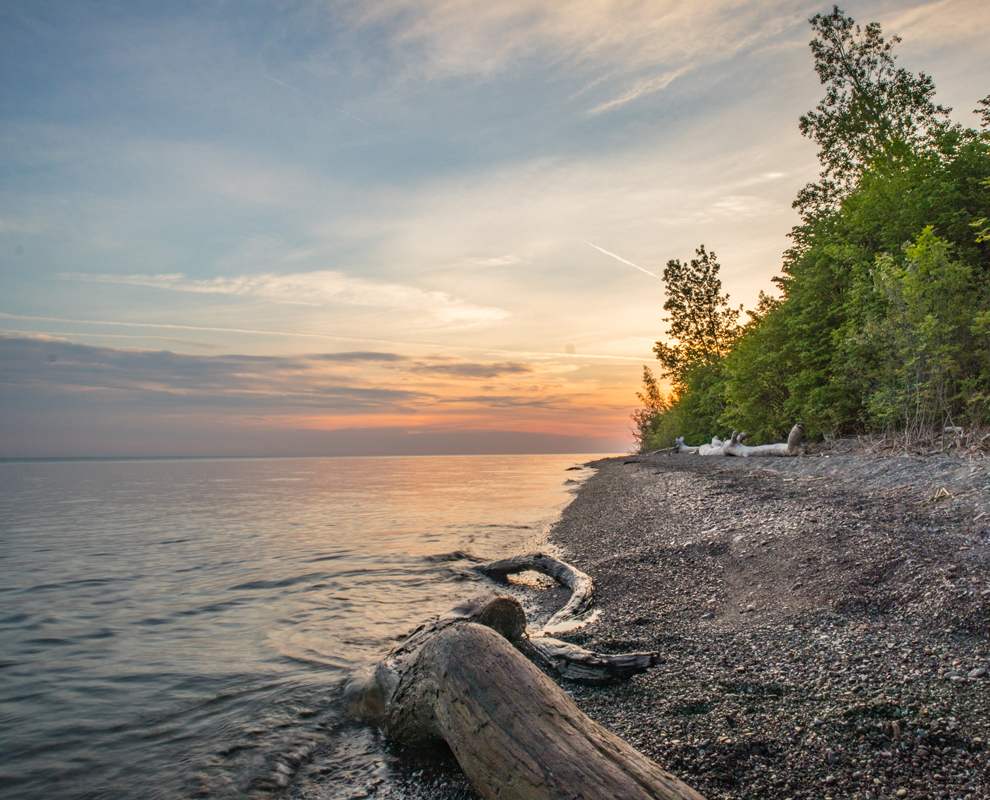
(463, 678)
(735, 447)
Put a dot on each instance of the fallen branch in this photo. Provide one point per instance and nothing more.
(582, 588)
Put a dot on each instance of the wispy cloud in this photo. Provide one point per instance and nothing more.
(539, 355)
(608, 41)
(323, 287)
(940, 22)
(474, 370)
(639, 89)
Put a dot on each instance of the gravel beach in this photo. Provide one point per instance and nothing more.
(823, 620)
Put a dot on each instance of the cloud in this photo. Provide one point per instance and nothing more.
(940, 22)
(639, 89)
(59, 397)
(609, 41)
(360, 356)
(353, 381)
(474, 370)
(80, 373)
(322, 287)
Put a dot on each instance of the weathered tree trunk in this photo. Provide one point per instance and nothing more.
(516, 734)
(734, 447)
(712, 449)
(463, 678)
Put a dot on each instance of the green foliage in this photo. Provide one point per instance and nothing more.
(757, 372)
(871, 110)
(884, 315)
(700, 318)
(982, 225)
(921, 332)
(694, 414)
(649, 418)
(704, 327)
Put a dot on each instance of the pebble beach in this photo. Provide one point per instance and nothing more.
(822, 621)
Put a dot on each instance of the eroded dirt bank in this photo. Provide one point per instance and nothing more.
(824, 623)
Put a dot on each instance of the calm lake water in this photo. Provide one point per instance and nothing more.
(181, 628)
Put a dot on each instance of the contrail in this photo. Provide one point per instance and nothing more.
(620, 258)
(309, 96)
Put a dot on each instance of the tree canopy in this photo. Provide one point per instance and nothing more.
(701, 319)
(883, 318)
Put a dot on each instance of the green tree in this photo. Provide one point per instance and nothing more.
(701, 319)
(922, 336)
(871, 109)
(648, 419)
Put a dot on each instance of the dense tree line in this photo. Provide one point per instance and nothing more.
(883, 316)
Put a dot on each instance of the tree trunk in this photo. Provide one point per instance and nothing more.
(463, 678)
(515, 733)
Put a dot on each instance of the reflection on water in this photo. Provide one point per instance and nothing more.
(179, 628)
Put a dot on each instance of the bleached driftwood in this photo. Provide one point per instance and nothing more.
(582, 588)
(735, 447)
(463, 678)
(712, 449)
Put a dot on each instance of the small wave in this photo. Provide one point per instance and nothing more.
(308, 577)
(456, 555)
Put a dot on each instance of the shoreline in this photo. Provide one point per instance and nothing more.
(821, 621)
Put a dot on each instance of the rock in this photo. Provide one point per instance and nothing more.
(979, 672)
(830, 780)
(902, 792)
(833, 757)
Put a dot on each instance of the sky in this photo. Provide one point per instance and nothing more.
(391, 227)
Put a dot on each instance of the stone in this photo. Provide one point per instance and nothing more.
(979, 672)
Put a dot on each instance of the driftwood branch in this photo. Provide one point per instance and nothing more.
(581, 586)
(568, 660)
(465, 678)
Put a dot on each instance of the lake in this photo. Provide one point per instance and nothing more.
(181, 628)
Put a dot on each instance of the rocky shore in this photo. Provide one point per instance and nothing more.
(824, 621)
